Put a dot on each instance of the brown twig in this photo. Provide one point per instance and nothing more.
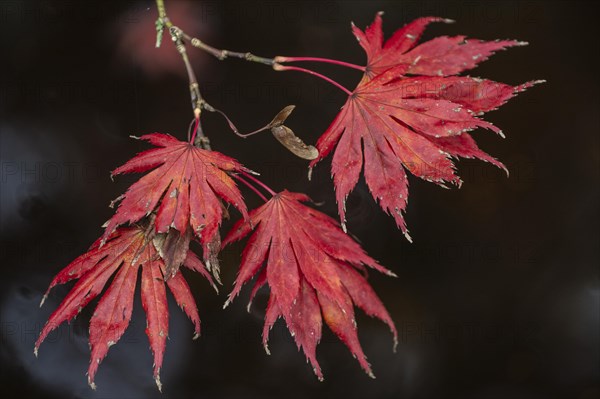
(178, 37)
(221, 54)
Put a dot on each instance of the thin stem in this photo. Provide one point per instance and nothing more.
(197, 100)
(163, 21)
(177, 35)
(251, 187)
(318, 59)
(160, 5)
(196, 125)
(220, 54)
(279, 67)
(223, 54)
(198, 139)
(232, 126)
(255, 180)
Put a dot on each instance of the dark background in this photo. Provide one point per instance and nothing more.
(498, 297)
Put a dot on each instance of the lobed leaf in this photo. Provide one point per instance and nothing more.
(409, 113)
(309, 269)
(185, 188)
(128, 250)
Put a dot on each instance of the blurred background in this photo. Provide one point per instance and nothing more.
(498, 296)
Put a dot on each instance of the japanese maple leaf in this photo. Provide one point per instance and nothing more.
(311, 269)
(126, 251)
(407, 112)
(441, 56)
(185, 188)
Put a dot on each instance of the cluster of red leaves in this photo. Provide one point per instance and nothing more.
(409, 112)
(181, 195)
(311, 270)
(126, 251)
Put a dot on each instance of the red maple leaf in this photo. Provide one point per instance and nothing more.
(185, 188)
(311, 271)
(396, 120)
(441, 56)
(126, 251)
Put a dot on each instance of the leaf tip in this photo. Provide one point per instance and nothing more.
(525, 86)
(158, 383)
(318, 373)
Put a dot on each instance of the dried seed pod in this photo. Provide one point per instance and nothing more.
(288, 139)
(286, 136)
